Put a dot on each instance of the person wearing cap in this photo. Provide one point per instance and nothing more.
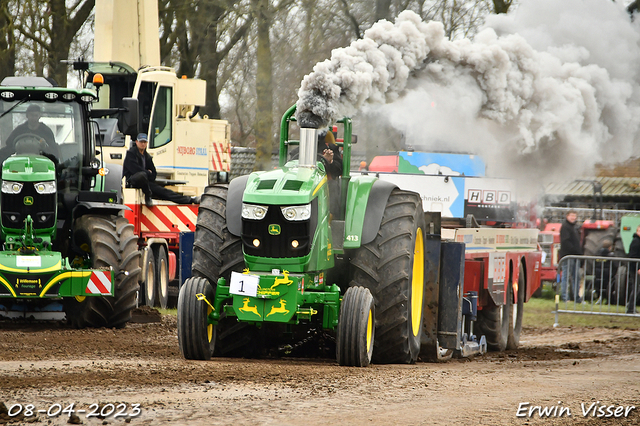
(140, 172)
(33, 127)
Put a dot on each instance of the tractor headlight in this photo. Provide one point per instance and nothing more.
(11, 187)
(254, 212)
(296, 212)
(45, 187)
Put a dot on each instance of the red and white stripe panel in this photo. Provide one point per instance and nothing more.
(99, 283)
(221, 157)
(175, 218)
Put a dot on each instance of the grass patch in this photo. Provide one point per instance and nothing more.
(538, 313)
(173, 311)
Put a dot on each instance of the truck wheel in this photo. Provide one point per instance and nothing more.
(392, 268)
(149, 284)
(493, 323)
(162, 276)
(217, 253)
(356, 328)
(517, 311)
(196, 337)
(110, 243)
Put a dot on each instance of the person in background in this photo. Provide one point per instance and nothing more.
(140, 172)
(604, 270)
(569, 245)
(633, 278)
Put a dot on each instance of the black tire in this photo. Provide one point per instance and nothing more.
(162, 276)
(493, 323)
(386, 267)
(217, 253)
(595, 238)
(196, 337)
(149, 285)
(356, 328)
(517, 311)
(111, 243)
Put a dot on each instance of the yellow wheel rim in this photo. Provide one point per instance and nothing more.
(209, 326)
(369, 330)
(417, 283)
(80, 298)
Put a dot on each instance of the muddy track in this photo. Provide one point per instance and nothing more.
(48, 364)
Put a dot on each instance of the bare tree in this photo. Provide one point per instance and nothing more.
(55, 30)
(7, 38)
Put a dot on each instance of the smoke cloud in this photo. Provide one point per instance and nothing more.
(542, 94)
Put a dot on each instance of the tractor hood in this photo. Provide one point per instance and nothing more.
(289, 185)
(28, 168)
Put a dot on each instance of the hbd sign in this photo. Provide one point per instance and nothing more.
(479, 196)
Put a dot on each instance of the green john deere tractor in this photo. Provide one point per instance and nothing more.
(67, 251)
(275, 264)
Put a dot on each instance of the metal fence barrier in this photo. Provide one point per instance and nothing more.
(595, 285)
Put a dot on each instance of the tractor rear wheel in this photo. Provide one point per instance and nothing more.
(110, 243)
(356, 328)
(196, 337)
(392, 268)
(217, 253)
(517, 311)
(162, 276)
(493, 323)
(149, 284)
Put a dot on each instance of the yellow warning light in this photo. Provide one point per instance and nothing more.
(184, 77)
(103, 171)
(98, 80)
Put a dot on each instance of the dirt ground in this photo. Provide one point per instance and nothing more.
(51, 366)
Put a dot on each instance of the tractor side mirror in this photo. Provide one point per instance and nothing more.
(128, 119)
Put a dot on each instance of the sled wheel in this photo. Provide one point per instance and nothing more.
(196, 337)
(356, 328)
(493, 323)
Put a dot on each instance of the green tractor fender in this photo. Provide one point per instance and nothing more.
(366, 200)
(234, 204)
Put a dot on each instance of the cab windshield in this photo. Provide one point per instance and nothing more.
(50, 129)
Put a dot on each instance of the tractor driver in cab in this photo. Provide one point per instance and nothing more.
(329, 155)
(32, 136)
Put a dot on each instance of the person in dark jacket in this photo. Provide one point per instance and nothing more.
(569, 245)
(331, 157)
(27, 132)
(140, 172)
(604, 270)
(634, 253)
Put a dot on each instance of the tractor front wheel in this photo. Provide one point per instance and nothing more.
(196, 337)
(356, 328)
(517, 311)
(493, 323)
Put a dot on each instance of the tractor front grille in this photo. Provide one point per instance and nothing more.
(16, 207)
(275, 235)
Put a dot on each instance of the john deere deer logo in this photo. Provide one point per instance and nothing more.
(274, 229)
(279, 310)
(284, 280)
(28, 201)
(246, 308)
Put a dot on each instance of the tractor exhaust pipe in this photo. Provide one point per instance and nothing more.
(308, 147)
